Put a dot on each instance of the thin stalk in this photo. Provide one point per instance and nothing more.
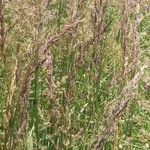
(35, 104)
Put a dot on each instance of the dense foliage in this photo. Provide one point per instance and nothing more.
(74, 74)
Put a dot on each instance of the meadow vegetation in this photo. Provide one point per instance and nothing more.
(75, 75)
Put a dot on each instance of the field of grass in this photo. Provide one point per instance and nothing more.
(75, 75)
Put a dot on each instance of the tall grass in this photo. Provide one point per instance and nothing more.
(74, 75)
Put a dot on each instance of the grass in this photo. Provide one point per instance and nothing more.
(74, 75)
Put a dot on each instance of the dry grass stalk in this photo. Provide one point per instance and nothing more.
(9, 106)
(116, 136)
(48, 67)
(125, 58)
(135, 35)
(98, 21)
(2, 37)
(130, 41)
(124, 35)
(121, 102)
(12, 89)
(99, 24)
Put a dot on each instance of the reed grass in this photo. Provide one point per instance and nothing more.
(74, 75)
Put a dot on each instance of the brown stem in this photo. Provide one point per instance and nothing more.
(2, 38)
